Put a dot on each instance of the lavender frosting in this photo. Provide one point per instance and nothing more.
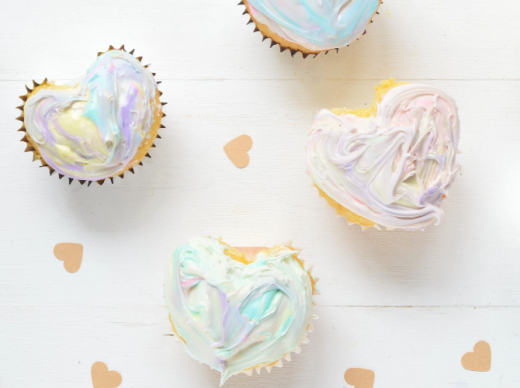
(92, 130)
(395, 168)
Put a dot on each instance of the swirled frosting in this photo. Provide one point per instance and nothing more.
(234, 316)
(315, 24)
(395, 168)
(93, 130)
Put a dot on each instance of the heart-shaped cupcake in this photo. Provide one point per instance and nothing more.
(98, 127)
(391, 164)
(235, 314)
(311, 27)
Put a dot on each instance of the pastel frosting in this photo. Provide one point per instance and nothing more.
(235, 316)
(92, 130)
(394, 168)
(315, 24)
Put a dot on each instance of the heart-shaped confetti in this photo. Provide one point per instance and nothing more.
(479, 360)
(236, 150)
(103, 378)
(360, 378)
(71, 254)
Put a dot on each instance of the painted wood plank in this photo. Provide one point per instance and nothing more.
(55, 346)
(406, 305)
(210, 40)
(190, 188)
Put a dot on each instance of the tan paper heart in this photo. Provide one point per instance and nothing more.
(236, 150)
(480, 359)
(103, 378)
(360, 378)
(71, 254)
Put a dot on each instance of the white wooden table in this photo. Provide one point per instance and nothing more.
(405, 305)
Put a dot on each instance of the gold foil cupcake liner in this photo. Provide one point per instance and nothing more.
(284, 44)
(144, 148)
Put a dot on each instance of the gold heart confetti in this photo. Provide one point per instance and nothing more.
(236, 150)
(71, 254)
(103, 378)
(479, 360)
(360, 378)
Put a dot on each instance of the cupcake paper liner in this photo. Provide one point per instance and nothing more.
(143, 149)
(280, 41)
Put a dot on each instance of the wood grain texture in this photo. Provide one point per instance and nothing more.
(415, 347)
(210, 40)
(406, 305)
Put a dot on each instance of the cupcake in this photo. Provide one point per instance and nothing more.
(239, 309)
(98, 127)
(311, 27)
(391, 164)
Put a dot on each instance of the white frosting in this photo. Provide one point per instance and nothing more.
(315, 24)
(93, 131)
(395, 168)
(233, 316)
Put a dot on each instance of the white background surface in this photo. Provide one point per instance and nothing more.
(407, 305)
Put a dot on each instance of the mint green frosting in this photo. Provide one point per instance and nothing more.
(234, 316)
(315, 24)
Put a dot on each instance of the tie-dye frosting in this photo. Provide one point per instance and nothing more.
(234, 316)
(315, 24)
(93, 130)
(393, 169)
